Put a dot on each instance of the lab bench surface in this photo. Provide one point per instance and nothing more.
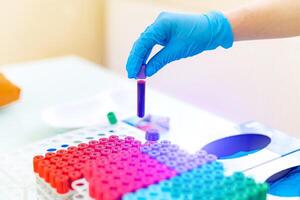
(54, 81)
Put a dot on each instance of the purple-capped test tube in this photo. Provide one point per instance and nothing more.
(141, 89)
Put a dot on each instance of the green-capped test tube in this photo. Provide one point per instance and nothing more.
(112, 118)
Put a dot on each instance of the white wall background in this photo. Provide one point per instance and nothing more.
(257, 80)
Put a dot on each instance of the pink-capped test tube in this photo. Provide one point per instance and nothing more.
(141, 89)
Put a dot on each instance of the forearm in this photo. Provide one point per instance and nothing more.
(266, 19)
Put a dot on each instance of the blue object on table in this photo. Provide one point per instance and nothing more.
(162, 124)
(237, 145)
(285, 183)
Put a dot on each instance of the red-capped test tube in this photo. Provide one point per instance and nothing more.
(141, 89)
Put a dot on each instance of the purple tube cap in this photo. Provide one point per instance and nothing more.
(152, 135)
(142, 73)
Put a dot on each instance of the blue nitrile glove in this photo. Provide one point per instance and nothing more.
(182, 35)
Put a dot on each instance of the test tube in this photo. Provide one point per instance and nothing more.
(141, 87)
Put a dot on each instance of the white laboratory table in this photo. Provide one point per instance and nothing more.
(61, 80)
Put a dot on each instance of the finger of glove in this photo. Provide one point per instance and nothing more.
(142, 49)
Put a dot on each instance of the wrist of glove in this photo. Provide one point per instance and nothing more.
(221, 31)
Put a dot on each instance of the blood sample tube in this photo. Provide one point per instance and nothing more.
(141, 87)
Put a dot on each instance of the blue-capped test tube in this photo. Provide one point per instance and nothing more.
(141, 89)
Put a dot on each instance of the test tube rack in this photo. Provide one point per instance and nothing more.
(119, 159)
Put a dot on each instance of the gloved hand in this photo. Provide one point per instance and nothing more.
(182, 36)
